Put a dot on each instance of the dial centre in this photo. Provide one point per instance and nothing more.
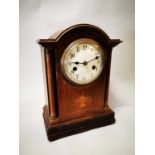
(85, 63)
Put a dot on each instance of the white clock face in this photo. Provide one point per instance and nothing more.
(82, 61)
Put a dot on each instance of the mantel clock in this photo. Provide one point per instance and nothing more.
(76, 64)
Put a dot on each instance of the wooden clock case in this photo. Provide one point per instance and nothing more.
(72, 108)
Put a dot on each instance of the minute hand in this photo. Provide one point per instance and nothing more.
(93, 59)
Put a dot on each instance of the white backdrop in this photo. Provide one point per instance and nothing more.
(41, 18)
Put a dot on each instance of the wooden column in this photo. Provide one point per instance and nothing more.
(49, 56)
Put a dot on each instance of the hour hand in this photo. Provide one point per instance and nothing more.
(76, 62)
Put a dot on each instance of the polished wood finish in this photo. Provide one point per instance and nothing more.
(50, 73)
(71, 108)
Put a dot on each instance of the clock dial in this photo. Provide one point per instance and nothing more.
(83, 61)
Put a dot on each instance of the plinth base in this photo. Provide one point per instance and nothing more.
(62, 129)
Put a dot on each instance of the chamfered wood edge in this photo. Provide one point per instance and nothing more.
(47, 42)
(64, 130)
(114, 42)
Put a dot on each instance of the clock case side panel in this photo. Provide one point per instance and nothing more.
(110, 46)
(107, 81)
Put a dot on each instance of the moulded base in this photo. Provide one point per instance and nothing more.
(59, 130)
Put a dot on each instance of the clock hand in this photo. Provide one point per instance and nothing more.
(76, 62)
(85, 62)
(93, 59)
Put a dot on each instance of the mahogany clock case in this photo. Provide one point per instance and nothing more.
(72, 108)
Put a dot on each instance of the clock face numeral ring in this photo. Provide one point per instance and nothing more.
(82, 61)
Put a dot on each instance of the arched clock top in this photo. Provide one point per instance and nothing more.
(80, 31)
